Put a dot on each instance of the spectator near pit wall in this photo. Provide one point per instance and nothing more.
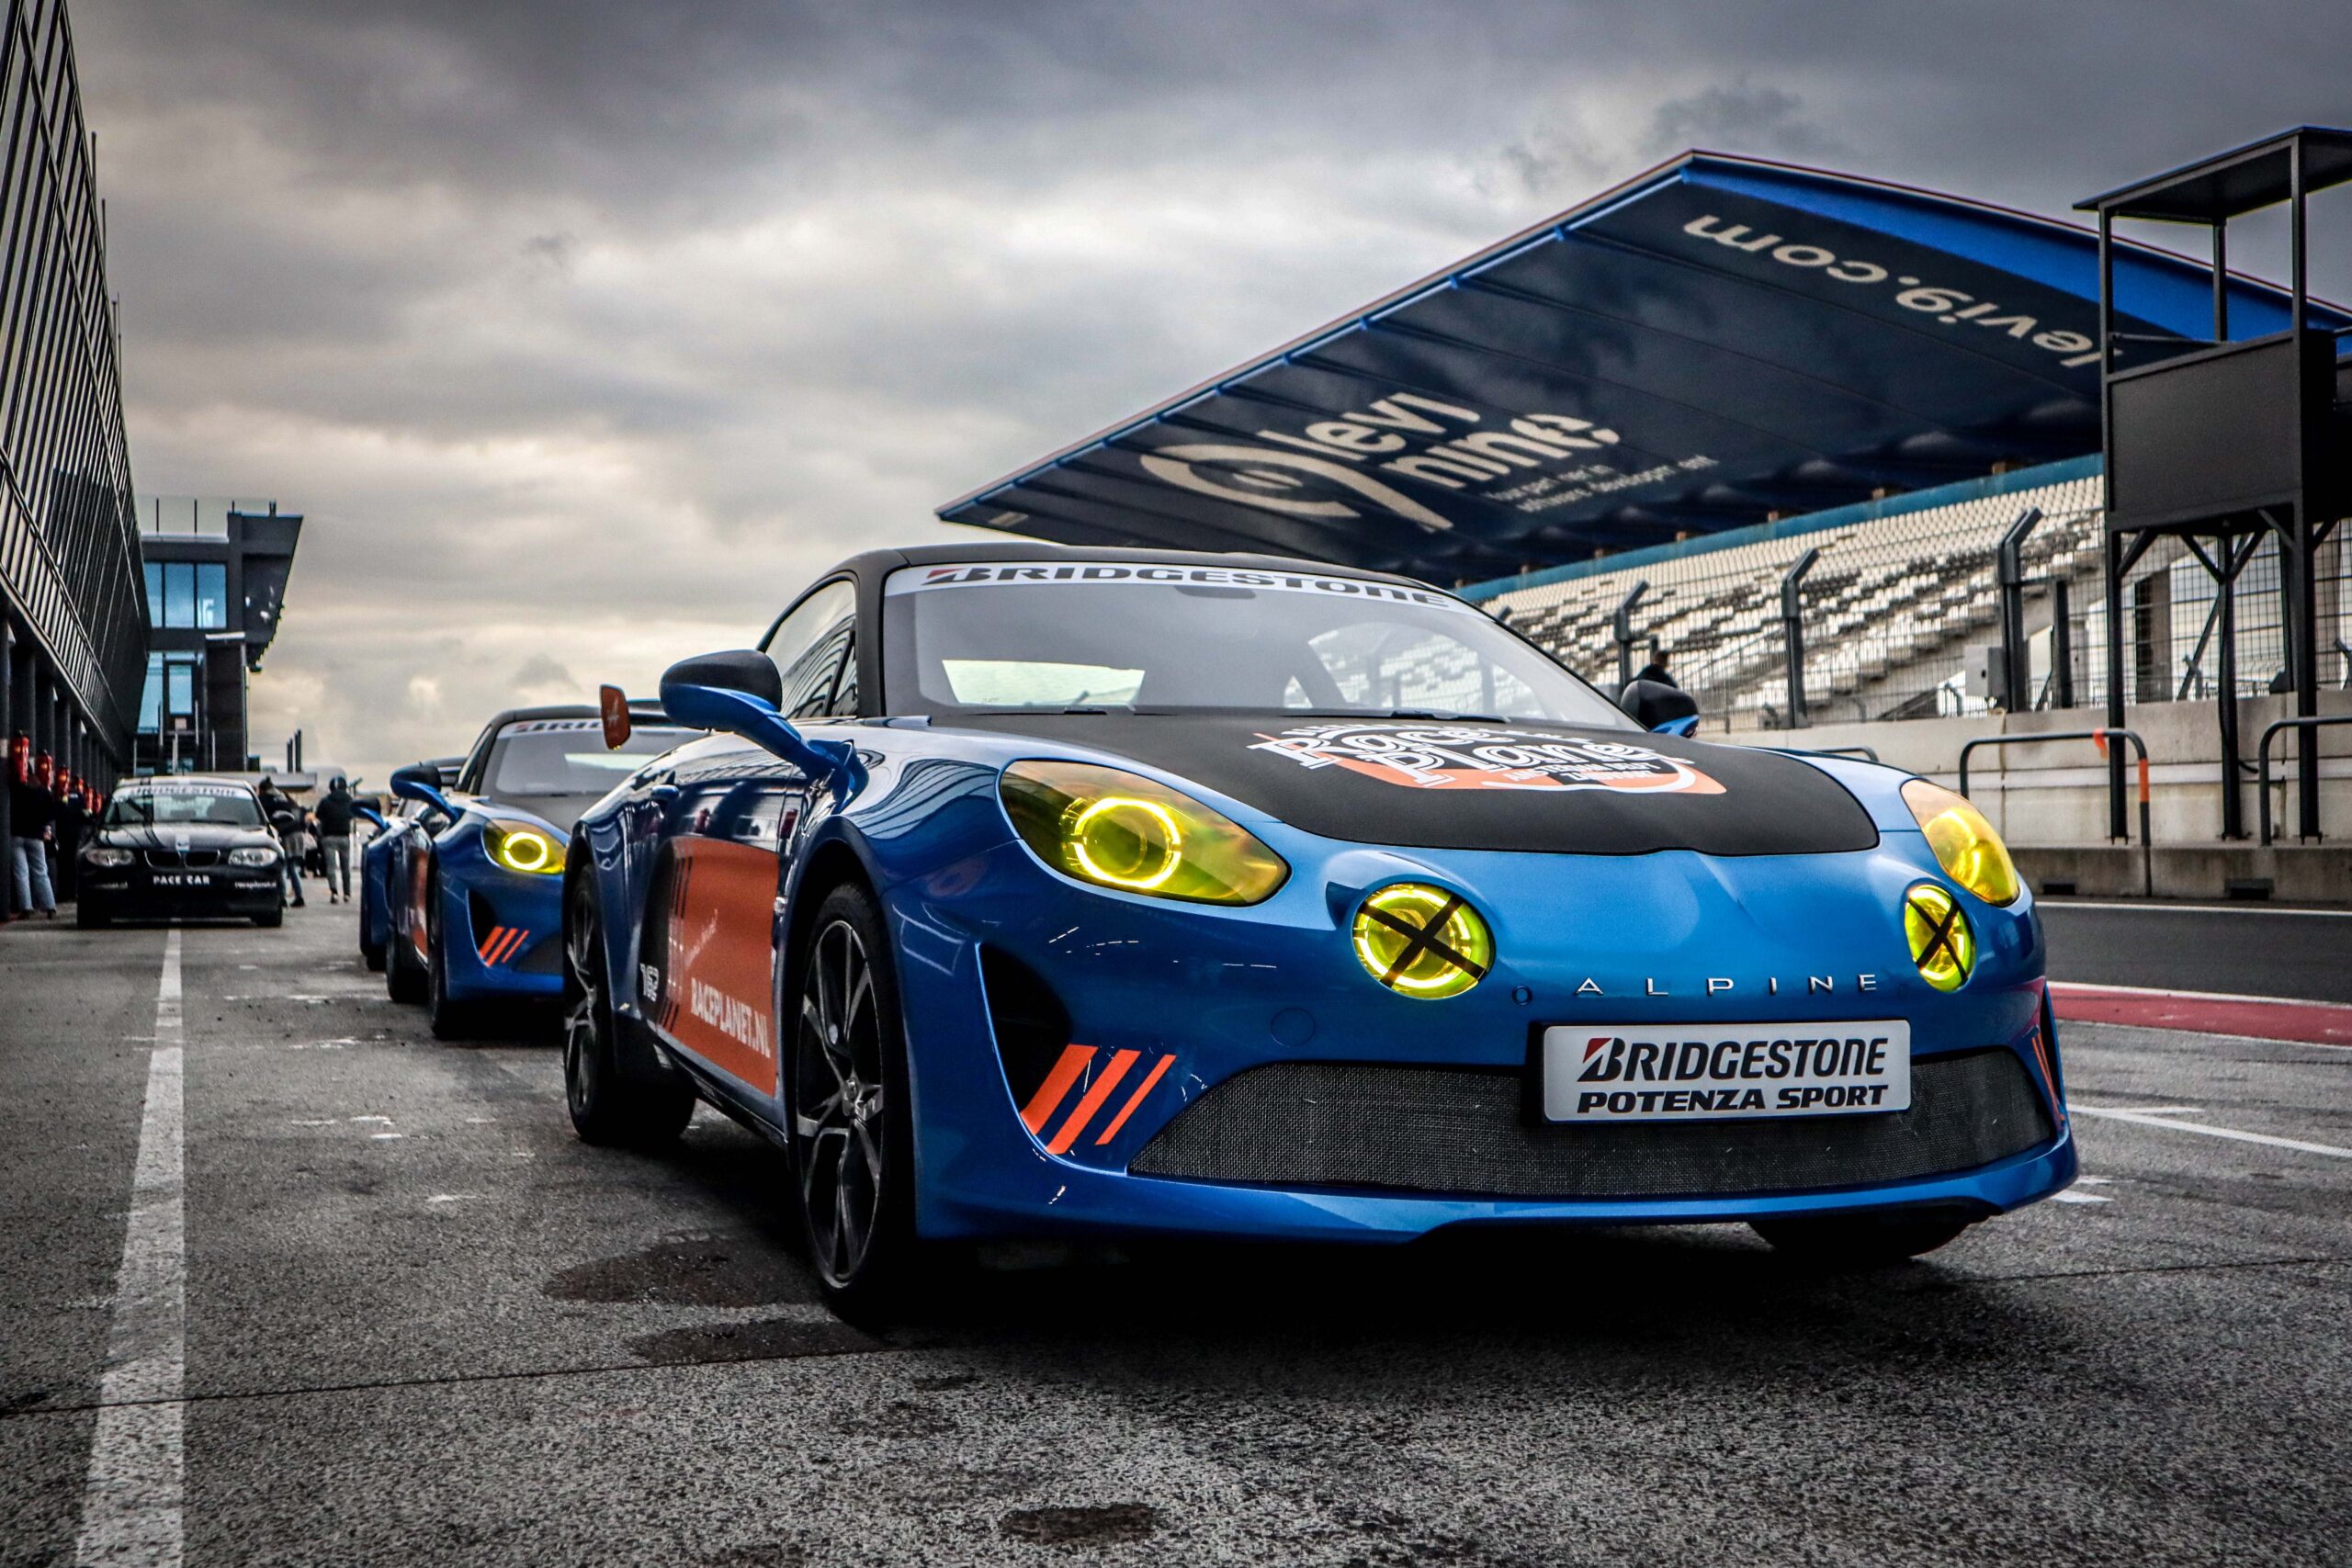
(333, 818)
(286, 821)
(29, 809)
(1656, 669)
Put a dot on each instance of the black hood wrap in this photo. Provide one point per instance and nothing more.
(1427, 783)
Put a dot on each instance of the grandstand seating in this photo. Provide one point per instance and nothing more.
(1889, 608)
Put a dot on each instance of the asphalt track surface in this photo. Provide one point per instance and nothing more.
(423, 1325)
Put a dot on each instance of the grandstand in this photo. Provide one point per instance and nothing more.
(1902, 588)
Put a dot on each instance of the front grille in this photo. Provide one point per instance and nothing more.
(1464, 1133)
(178, 860)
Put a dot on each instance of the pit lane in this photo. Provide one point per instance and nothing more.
(424, 1323)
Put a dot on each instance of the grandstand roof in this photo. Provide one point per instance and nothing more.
(1716, 342)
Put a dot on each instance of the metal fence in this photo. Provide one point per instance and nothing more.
(1900, 613)
(69, 549)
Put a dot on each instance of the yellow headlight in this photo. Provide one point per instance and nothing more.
(1942, 945)
(518, 848)
(1120, 829)
(1422, 941)
(1966, 847)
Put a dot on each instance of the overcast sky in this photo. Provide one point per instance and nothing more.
(584, 333)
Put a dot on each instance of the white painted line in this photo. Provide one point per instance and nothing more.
(2149, 1119)
(2079, 1198)
(132, 1500)
(2197, 996)
(2249, 909)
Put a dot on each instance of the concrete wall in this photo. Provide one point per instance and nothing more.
(2048, 799)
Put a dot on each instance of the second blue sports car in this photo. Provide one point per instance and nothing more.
(472, 903)
(1030, 889)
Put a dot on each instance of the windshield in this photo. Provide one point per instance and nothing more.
(566, 756)
(215, 806)
(1175, 638)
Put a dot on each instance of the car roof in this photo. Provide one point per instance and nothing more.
(165, 781)
(877, 562)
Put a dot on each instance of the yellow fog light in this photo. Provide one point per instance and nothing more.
(518, 848)
(1941, 943)
(1422, 941)
(1966, 846)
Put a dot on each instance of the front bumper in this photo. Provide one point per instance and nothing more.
(504, 932)
(134, 893)
(1181, 1003)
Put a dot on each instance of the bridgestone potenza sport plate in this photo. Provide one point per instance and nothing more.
(1627, 1072)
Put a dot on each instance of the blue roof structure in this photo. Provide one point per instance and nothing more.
(1713, 343)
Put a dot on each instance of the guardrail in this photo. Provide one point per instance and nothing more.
(2100, 738)
(2262, 768)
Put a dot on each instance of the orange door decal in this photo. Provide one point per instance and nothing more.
(716, 977)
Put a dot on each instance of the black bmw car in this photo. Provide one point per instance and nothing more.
(190, 848)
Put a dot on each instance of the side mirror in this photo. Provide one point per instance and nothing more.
(1660, 708)
(421, 782)
(740, 693)
(612, 706)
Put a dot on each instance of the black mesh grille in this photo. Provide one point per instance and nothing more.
(1464, 1133)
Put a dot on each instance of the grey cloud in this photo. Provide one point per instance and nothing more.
(583, 333)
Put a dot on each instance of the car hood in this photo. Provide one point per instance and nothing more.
(186, 835)
(1470, 785)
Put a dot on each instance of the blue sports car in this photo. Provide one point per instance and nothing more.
(374, 878)
(1029, 890)
(473, 881)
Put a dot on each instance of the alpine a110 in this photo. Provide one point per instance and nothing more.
(473, 880)
(1026, 890)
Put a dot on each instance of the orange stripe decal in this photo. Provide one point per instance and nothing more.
(1135, 1099)
(490, 942)
(1100, 1091)
(516, 937)
(1049, 1094)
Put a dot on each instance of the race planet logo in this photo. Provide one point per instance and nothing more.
(739, 1021)
(1481, 757)
(1327, 471)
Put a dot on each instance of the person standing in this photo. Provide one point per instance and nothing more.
(286, 821)
(29, 809)
(333, 818)
(1656, 668)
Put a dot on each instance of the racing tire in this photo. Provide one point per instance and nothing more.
(609, 1106)
(372, 954)
(403, 976)
(847, 1104)
(275, 918)
(1859, 1241)
(447, 1019)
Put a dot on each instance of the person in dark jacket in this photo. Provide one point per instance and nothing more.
(333, 819)
(29, 810)
(1656, 668)
(286, 821)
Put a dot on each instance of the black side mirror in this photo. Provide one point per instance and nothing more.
(1660, 708)
(741, 691)
(421, 782)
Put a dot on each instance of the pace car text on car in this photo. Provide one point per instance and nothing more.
(1029, 890)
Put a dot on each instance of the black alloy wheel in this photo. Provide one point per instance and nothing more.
(608, 1105)
(852, 1138)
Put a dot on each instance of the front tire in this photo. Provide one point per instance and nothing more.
(607, 1106)
(271, 920)
(86, 917)
(1859, 1241)
(853, 1139)
(448, 1018)
(403, 976)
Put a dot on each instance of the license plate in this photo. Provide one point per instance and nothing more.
(183, 879)
(1677, 1072)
